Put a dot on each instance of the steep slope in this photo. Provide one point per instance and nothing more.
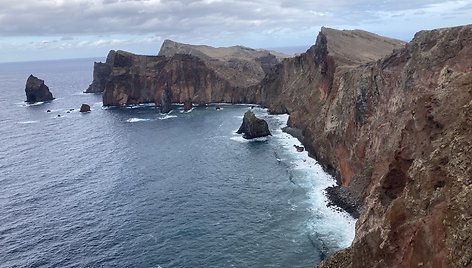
(401, 127)
(136, 79)
(354, 47)
(397, 134)
(198, 74)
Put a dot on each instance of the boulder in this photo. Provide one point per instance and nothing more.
(253, 127)
(36, 90)
(299, 148)
(85, 108)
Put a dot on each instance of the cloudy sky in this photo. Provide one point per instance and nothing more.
(52, 29)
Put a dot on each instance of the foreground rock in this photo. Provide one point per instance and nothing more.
(253, 127)
(84, 108)
(36, 90)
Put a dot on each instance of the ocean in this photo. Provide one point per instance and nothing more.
(130, 187)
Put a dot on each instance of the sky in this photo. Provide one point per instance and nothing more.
(56, 29)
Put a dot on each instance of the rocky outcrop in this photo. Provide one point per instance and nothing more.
(36, 90)
(253, 127)
(101, 74)
(241, 66)
(199, 74)
(84, 108)
(166, 100)
(396, 134)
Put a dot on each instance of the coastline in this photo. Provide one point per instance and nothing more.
(339, 198)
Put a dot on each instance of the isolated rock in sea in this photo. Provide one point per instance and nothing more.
(85, 108)
(253, 127)
(166, 100)
(36, 90)
(299, 148)
(188, 105)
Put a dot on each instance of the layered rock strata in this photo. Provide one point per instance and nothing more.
(36, 90)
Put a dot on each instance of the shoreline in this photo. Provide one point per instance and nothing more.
(339, 197)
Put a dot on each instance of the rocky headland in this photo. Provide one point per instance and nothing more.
(36, 90)
(392, 121)
(193, 74)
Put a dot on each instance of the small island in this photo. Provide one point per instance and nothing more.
(36, 90)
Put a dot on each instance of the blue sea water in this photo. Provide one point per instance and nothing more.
(130, 187)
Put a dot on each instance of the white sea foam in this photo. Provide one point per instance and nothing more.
(28, 122)
(80, 93)
(335, 228)
(134, 120)
(239, 138)
(34, 103)
(167, 116)
(186, 112)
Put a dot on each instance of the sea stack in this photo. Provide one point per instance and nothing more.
(188, 105)
(85, 108)
(166, 100)
(253, 127)
(36, 90)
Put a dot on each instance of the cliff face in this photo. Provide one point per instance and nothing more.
(197, 74)
(410, 129)
(241, 66)
(397, 133)
(136, 79)
(101, 73)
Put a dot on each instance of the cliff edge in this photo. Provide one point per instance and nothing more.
(398, 132)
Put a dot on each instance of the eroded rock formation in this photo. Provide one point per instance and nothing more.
(199, 74)
(101, 74)
(36, 90)
(396, 133)
(253, 127)
(399, 132)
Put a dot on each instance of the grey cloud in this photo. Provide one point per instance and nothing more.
(170, 16)
(190, 17)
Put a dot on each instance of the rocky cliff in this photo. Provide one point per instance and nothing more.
(399, 132)
(194, 74)
(392, 121)
(396, 132)
(101, 74)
